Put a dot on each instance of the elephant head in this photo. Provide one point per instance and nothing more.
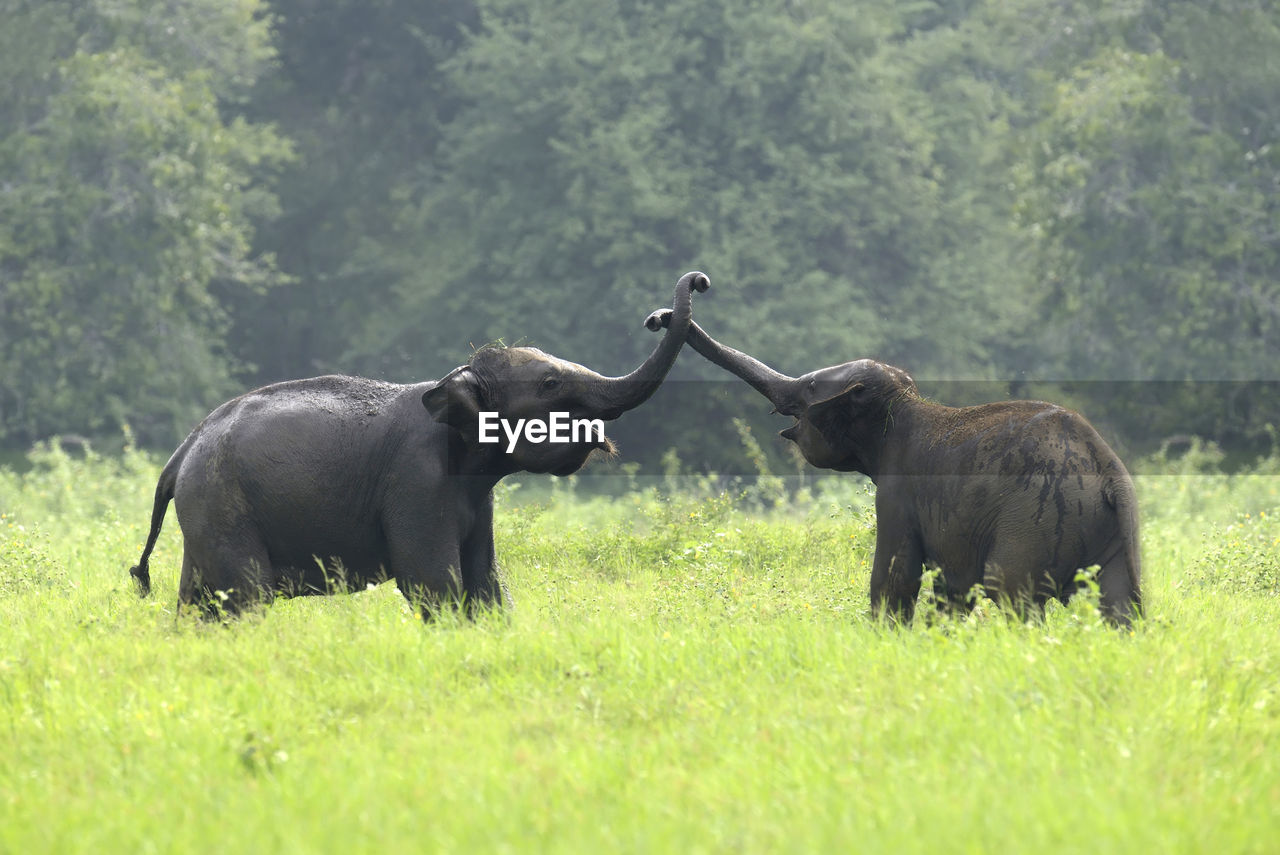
(526, 383)
(840, 412)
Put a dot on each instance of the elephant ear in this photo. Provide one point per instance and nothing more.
(831, 416)
(456, 399)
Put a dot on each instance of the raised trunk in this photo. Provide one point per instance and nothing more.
(615, 395)
(778, 388)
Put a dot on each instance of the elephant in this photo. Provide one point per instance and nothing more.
(336, 483)
(1015, 496)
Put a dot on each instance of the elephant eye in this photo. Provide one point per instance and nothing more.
(550, 384)
(813, 384)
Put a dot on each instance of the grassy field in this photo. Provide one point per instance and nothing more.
(682, 672)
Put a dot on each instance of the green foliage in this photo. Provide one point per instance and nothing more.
(1242, 558)
(127, 196)
(768, 490)
(1077, 196)
(80, 485)
(1149, 187)
(25, 565)
(679, 673)
(603, 148)
(358, 89)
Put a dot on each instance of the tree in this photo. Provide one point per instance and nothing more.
(126, 195)
(1150, 187)
(601, 149)
(358, 89)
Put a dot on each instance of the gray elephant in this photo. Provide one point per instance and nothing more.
(337, 482)
(1016, 496)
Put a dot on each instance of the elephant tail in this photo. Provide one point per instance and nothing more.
(164, 494)
(1120, 493)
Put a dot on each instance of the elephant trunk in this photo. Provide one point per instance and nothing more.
(615, 395)
(777, 387)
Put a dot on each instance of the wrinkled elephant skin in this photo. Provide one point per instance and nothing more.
(1016, 496)
(336, 483)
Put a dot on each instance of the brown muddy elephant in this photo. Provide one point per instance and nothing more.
(1015, 496)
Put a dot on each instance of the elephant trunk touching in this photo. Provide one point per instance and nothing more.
(777, 387)
(616, 395)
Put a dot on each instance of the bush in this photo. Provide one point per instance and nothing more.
(1242, 557)
(25, 563)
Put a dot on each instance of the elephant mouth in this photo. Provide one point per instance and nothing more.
(792, 432)
(600, 450)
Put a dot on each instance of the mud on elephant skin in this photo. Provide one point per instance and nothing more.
(310, 486)
(1015, 496)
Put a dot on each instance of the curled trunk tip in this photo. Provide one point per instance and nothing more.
(658, 319)
(629, 391)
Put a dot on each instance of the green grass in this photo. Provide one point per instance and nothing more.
(679, 674)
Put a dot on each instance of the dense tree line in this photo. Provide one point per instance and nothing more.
(128, 196)
(1068, 198)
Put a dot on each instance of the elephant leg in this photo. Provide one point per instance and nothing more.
(1120, 599)
(896, 572)
(1016, 575)
(426, 566)
(482, 582)
(950, 600)
(228, 576)
(188, 584)
(1008, 582)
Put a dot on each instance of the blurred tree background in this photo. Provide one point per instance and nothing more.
(1071, 199)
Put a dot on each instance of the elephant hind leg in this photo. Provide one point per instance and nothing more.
(189, 583)
(1120, 599)
(949, 599)
(1008, 581)
(227, 580)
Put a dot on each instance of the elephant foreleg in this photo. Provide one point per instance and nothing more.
(481, 580)
(896, 572)
(427, 565)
